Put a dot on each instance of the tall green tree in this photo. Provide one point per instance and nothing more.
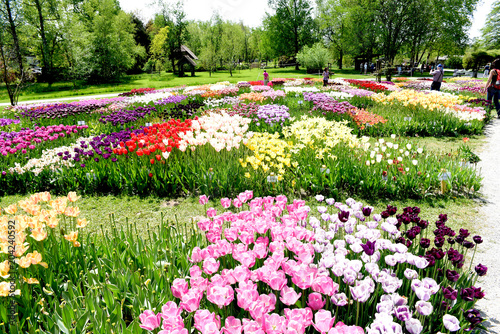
(12, 54)
(104, 47)
(291, 27)
(334, 26)
(490, 33)
(233, 44)
(173, 16)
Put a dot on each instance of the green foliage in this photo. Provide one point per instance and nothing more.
(313, 58)
(454, 62)
(291, 27)
(489, 33)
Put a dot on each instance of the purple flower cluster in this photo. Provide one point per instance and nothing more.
(272, 114)
(171, 99)
(12, 142)
(357, 92)
(316, 97)
(99, 147)
(473, 89)
(8, 121)
(125, 116)
(244, 84)
(62, 110)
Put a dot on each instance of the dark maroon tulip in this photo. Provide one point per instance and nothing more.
(423, 224)
(478, 293)
(473, 317)
(425, 243)
(439, 254)
(443, 217)
(343, 216)
(464, 232)
(450, 293)
(384, 214)
(392, 210)
(439, 224)
(367, 211)
(440, 272)
(481, 269)
(451, 241)
(459, 239)
(411, 234)
(401, 240)
(431, 260)
(439, 242)
(477, 239)
(452, 275)
(409, 243)
(369, 248)
(467, 244)
(467, 294)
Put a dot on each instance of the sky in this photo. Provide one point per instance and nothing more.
(251, 12)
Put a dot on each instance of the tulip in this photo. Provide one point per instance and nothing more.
(451, 323)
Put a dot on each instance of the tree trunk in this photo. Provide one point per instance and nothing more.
(341, 58)
(13, 31)
(46, 69)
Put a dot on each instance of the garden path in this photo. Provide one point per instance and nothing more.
(489, 253)
(72, 98)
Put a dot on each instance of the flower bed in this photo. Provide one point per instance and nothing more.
(260, 273)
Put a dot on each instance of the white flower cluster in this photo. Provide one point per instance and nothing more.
(292, 89)
(146, 98)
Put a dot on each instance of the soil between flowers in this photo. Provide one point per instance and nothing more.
(490, 221)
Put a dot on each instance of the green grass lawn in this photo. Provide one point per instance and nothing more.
(68, 89)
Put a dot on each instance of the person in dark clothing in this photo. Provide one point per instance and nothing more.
(492, 86)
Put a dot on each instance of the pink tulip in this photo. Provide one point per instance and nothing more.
(341, 328)
(211, 212)
(175, 331)
(302, 315)
(179, 287)
(232, 326)
(237, 203)
(203, 318)
(210, 266)
(149, 320)
(220, 296)
(315, 301)
(323, 321)
(325, 285)
(274, 324)
(191, 300)
(226, 202)
(288, 296)
(203, 199)
(195, 272)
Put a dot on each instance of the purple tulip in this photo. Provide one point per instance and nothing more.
(467, 294)
(343, 216)
(402, 313)
(473, 317)
(452, 275)
(369, 248)
(425, 243)
(477, 239)
(481, 270)
(450, 293)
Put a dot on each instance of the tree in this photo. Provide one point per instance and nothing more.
(489, 32)
(104, 47)
(12, 67)
(173, 16)
(333, 25)
(232, 44)
(313, 58)
(291, 27)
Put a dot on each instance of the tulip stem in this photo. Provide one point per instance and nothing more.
(357, 312)
(472, 260)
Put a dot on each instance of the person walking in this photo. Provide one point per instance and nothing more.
(366, 67)
(326, 76)
(266, 78)
(437, 78)
(492, 86)
(486, 70)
